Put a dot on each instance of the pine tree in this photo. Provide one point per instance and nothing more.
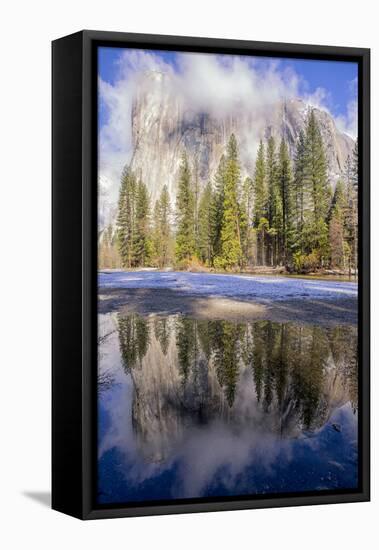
(231, 250)
(286, 192)
(316, 232)
(205, 226)
(260, 201)
(185, 214)
(260, 188)
(355, 165)
(351, 214)
(162, 238)
(142, 239)
(274, 200)
(196, 199)
(247, 230)
(108, 251)
(217, 207)
(301, 194)
(157, 236)
(126, 217)
(336, 227)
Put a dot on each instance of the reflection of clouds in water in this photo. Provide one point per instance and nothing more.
(218, 451)
(120, 435)
(201, 454)
(109, 360)
(215, 454)
(116, 404)
(233, 447)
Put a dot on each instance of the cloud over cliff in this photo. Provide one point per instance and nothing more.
(218, 85)
(223, 86)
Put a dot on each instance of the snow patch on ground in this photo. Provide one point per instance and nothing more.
(233, 286)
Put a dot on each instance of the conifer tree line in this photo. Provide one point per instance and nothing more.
(285, 213)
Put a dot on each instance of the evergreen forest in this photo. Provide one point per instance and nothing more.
(286, 214)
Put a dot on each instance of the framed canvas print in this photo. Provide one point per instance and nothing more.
(210, 274)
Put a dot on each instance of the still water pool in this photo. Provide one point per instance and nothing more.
(191, 408)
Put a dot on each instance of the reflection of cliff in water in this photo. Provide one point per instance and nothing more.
(278, 378)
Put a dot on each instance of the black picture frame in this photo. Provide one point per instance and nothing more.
(74, 270)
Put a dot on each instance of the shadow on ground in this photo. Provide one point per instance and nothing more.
(41, 497)
(341, 310)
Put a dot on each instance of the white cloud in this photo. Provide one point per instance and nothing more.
(115, 139)
(320, 99)
(346, 123)
(224, 83)
(219, 85)
(349, 122)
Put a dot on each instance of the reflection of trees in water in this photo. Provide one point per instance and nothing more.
(267, 352)
(343, 345)
(162, 332)
(187, 346)
(310, 356)
(105, 380)
(193, 365)
(198, 342)
(288, 362)
(134, 334)
(226, 346)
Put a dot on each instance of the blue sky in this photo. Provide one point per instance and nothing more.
(336, 81)
(339, 78)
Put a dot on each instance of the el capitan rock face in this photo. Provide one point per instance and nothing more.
(162, 127)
